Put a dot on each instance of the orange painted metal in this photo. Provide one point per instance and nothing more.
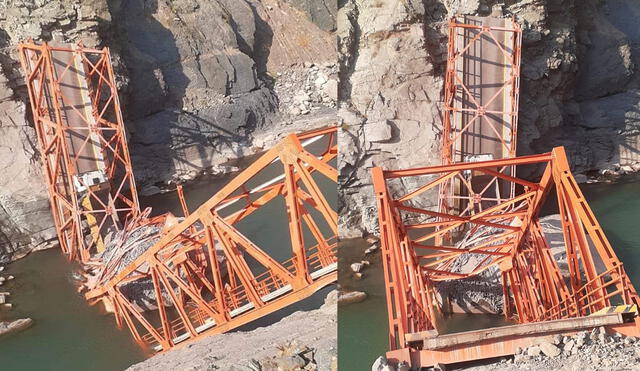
(481, 93)
(504, 341)
(483, 349)
(202, 275)
(487, 218)
(475, 120)
(213, 275)
(82, 142)
(501, 234)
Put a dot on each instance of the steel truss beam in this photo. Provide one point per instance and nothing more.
(503, 234)
(481, 95)
(82, 143)
(204, 274)
(481, 88)
(213, 276)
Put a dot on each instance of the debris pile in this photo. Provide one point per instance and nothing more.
(307, 88)
(586, 350)
(480, 293)
(123, 247)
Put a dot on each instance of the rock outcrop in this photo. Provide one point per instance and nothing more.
(579, 86)
(201, 83)
(391, 93)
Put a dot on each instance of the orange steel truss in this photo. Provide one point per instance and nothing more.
(481, 88)
(500, 234)
(201, 275)
(216, 278)
(82, 143)
(481, 94)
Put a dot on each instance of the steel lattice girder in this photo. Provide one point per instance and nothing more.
(214, 276)
(481, 89)
(501, 233)
(82, 142)
(481, 94)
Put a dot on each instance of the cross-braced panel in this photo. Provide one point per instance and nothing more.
(480, 102)
(481, 89)
(499, 235)
(82, 143)
(213, 271)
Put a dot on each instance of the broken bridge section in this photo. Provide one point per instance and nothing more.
(480, 109)
(482, 85)
(81, 138)
(487, 220)
(504, 235)
(205, 276)
(174, 279)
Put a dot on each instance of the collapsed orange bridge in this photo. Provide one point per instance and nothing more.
(200, 274)
(487, 219)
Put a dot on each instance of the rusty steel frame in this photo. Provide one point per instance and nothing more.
(465, 110)
(507, 236)
(98, 123)
(210, 295)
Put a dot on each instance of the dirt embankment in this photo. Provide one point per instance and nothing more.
(301, 341)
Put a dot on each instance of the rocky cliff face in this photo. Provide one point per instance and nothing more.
(201, 83)
(579, 85)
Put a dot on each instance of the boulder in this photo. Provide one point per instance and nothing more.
(549, 349)
(533, 351)
(381, 364)
(15, 326)
(351, 297)
(289, 363)
(356, 267)
(568, 347)
(378, 131)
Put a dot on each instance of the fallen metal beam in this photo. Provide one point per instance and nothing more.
(500, 341)
(526, 329)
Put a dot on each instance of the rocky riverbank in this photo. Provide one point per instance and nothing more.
(586, 350)
(15, 325)
(301, 341)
